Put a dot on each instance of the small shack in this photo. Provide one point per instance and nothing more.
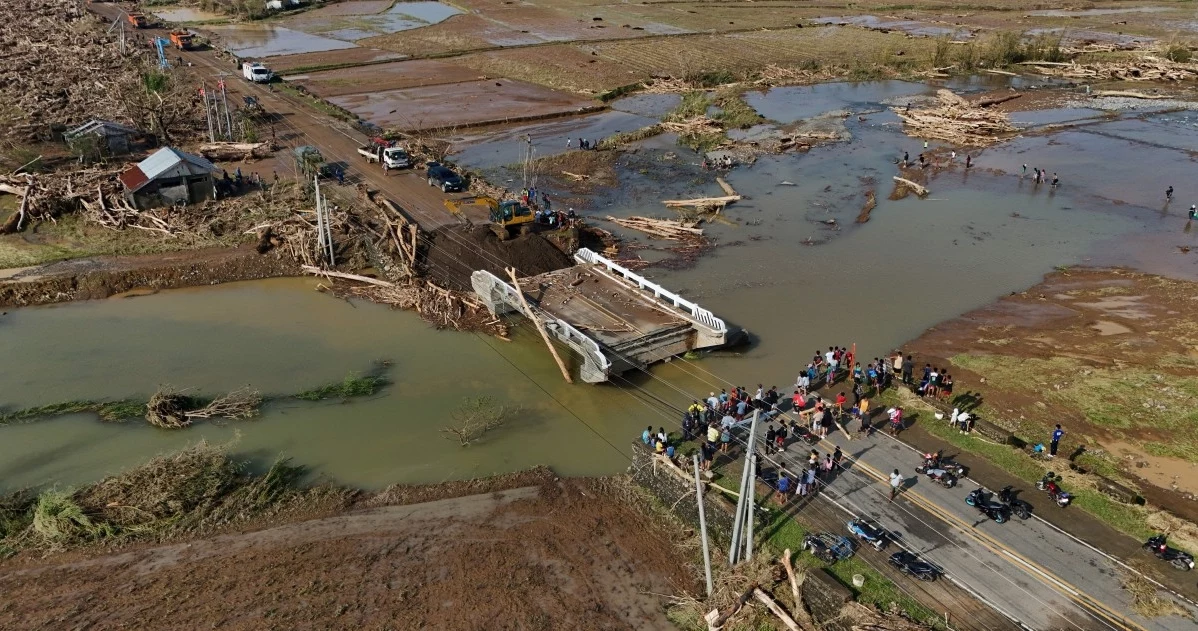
(97, 138)
(169, 177)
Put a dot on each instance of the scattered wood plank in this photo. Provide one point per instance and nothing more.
(233, 151)
(577, 177)
(703, 201)
(1045, 63)
(919, 190)
(1001, 72)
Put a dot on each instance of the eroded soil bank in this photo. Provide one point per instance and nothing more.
(526, 551)
(1110, 354)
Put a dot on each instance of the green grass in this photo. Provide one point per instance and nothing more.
(319, 104)
(106, 410)
(735, 113)
(352, 386)
(694, 103)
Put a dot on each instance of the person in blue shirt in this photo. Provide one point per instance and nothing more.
(647, 435)
(1056, 438)
(783, 485)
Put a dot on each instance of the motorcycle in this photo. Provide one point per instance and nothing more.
(980, 500)
(936, 461)
(1018, 506)
(1049, 485)
(910, 564)
(940, 476)
(869, 533)
(1177, 558)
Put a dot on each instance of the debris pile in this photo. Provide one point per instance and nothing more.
(171, 409)
(957, 121)
(661, 228)
(1146, 68)
(44, 197)
(60, 67)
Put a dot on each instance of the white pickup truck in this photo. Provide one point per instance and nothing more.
(256, 72)
(390, 157)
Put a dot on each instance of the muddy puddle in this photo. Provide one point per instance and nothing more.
(188, 14)
(1067, 13)
(268, 40)
(911, 27)
(792, 103)
(791, 266)
(368, 20)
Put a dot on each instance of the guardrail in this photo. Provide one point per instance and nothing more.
(565, 330)
(661, 294)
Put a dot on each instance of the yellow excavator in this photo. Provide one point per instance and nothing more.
(506, 218)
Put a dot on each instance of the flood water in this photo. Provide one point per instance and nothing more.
(352, 23)
(979, 235)
(268, 40)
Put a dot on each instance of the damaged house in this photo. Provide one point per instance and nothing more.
(169, 177)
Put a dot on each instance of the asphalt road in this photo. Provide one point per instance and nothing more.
(1027, 570)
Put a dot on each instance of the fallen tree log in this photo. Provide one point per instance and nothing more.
(919, 190)
(703, 201)
(316, 271)
(996, 100)
(728, 190)
(235, 151)
(1045, 63)
(1129, 94)
(777, 609)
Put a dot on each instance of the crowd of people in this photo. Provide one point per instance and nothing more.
(808, 417)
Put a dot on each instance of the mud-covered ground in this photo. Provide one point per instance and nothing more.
(561, 554)
(1111, 355)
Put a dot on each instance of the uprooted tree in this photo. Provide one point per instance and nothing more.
(475, 417)
(173, 409)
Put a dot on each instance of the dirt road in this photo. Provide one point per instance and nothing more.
(559, 556)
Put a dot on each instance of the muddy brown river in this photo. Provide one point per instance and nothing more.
(915, 263)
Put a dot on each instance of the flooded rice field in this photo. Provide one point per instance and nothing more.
(464, 103)
(912, 27)
(268, 40)
(185, 15)
(352, 21)
(791, 266)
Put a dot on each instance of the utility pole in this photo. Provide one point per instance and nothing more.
(324, 235)
(225, 101)
(511, 271)
(208, 112)
(743, 524)
(703, 528)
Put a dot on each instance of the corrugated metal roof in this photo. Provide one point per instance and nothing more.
(160, 162)
(100, 125)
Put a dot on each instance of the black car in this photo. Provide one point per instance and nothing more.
(914, 566)
(442, 176)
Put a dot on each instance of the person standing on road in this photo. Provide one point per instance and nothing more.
(896, 484)
(1169, 194)
(783, 484)
(1193, 211)
(1057, 434)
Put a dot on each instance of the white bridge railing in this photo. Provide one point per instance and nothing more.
(661, 294)
(565, 331)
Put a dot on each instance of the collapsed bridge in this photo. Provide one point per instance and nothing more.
(612, 318)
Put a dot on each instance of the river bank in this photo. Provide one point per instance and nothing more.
(1110, 354)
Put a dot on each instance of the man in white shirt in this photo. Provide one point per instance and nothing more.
(896, 483)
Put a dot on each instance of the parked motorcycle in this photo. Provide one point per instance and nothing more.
(980, 500)
(941, 477)
(1018, 506)
(869, 533)
(937, 461)
(1177, 558)
(1049, 485)
(911, 564)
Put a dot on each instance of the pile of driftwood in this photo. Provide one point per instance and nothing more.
(694, 126)
(44, 197)
(661, 228)
(440, 307)
(958, 121)
(1146, 68)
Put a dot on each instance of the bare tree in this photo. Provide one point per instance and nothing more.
(475, 417)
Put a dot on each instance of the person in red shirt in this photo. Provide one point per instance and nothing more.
(840, 401)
